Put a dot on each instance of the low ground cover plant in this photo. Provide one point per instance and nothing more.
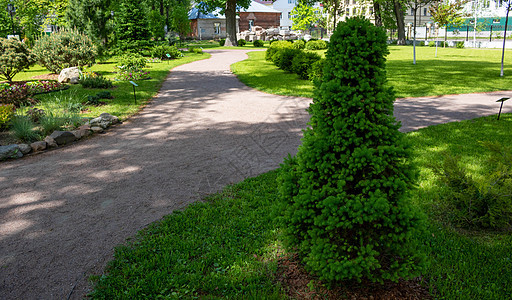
(19, 93)
(6, 114)
(131, 67)
(97, 82)
(162, 51)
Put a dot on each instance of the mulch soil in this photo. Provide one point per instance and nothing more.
(47, 77)
(301, 285)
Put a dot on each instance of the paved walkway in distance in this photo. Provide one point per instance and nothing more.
(62, 212)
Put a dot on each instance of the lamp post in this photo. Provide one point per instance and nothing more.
(11, 9)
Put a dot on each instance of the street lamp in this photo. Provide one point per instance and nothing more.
(11, 9)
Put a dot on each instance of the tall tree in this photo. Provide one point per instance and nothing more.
(305, 16)
(508, 6)
(228, 8)
(415, 6)
(131, 26)
(90, 17)
(447, 13)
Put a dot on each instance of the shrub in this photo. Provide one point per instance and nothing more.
(6, 114)
(274, 47)
(23, 129)
(14, 58)
(104, 95)
(316, 45)
(299, 44)
(460, 45)
(432, 44)
(195, 50)
(16, 94)
(34, 114)
(316, 71)
(66, 48)
(162, 51)
(93, 100)
(258, 43)
(98, 82)
(302, 63)
(51, 122)
(472, 204)
(343, 197)
(283, 58)
(242, 43)
(132, 61)
(222, 42)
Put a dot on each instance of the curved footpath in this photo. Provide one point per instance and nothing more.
(62, 212)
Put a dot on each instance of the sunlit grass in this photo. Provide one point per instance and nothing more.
(453, 71)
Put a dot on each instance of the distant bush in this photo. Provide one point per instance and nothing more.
(196, 50)
(241, 42)
(222, 42)
(316, 71)
(274, 47)
(283, 58)
(98, 82)
(15, 56)
(67, 48)
(432, 44)
(258, 43)
(459, 45)
(302, 63)
(316, 45)
(472, 204)
(132, 61)
(299, 44)
(162, 51)
(6, 114)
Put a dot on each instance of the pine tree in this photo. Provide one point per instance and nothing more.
(90, 17)
(131, 26)
(344, 195)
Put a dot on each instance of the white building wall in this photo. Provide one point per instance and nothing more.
(285, 7)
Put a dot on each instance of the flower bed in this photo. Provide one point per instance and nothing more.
(18, 93)
(131, 74)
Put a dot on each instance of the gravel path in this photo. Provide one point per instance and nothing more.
(62, 212)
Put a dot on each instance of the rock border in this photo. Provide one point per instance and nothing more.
(59, 138)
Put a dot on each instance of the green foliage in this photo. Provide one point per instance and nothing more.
(6, 114)
(242, 42)
(344, 195)
(50, 122)
(90, 17)
(283, 58)
(274, 47)
(132, 61)
(316, 71)
(432, 44)
(132, 28)
(34, 114)
(14, 58)
(156, 23)
(104, 95)
(304, 16)
(162, 51)
(299, 44)
(196, 50)
(222, 42)
(93, 100)
(303, 62)
(23, 129)
(98, 82)
(472, 204)
(316, 45)
(459, 45)
(64, 49)
(258, 43)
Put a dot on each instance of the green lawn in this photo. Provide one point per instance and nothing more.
(227, 246)
(454, 71)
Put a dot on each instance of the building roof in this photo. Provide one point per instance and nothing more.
(195, 13)
(258, 7)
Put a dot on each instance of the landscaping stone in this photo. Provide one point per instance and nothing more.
(10, 151)
(50, 142)
(71, 75)
(63, 137)
(38, 146)
(24, 148)
(104, 121)
(97, 129)
(85, 127)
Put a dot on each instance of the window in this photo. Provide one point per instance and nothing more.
(216, 28)
(291, 1)
(251, 24)
(412, 12)
(371, 10)
(496, 21)
(289, 15)
(347, 10)
(354, 11)
(425, 11)
(354, 2)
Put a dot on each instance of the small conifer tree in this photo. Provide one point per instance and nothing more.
(15, 56)
(344, 194)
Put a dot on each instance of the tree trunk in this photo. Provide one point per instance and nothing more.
(376, 11)
(162, 8)
(230, 23)
(400, 24)
(414, 34)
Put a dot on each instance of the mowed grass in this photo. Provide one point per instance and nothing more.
(454, 71)
(123, 104)
(227, 246)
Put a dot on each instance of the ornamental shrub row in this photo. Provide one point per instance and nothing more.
(288, 57)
